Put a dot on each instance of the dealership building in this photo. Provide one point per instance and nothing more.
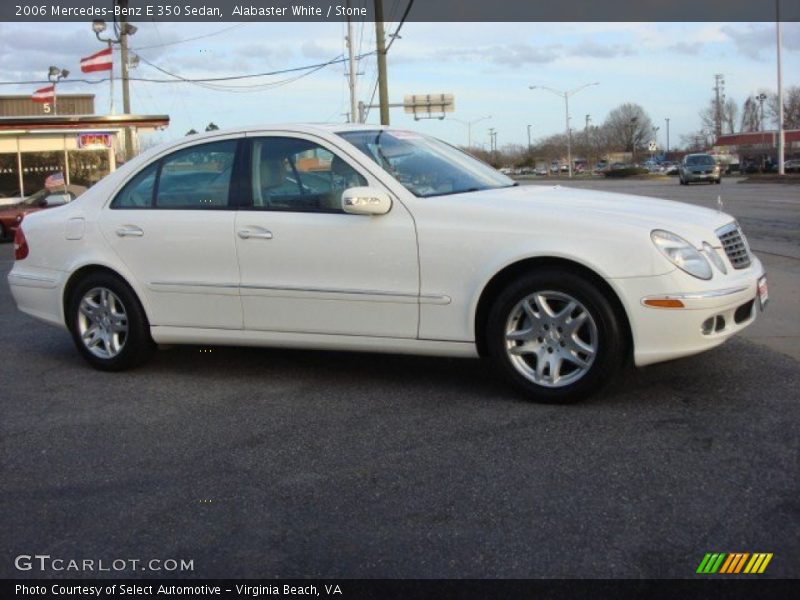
(758, 147)
(35, 142)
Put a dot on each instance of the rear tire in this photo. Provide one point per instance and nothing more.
(554, 336)
(108, 324)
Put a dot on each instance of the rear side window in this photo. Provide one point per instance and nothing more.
(138, 192)
(194, 178)
(198, 177)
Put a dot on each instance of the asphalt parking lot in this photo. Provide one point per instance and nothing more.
(268, 463)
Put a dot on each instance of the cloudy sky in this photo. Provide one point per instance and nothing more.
(668, 68)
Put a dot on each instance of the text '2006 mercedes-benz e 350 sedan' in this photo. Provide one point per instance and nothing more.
(375, 239)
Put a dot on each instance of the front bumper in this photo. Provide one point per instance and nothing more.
(690, 176)
(712, 311)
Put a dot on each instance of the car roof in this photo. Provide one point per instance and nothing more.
(293, 127)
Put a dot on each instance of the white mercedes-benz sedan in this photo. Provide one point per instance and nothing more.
(375, 239)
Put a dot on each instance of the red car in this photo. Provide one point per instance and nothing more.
(11, 216)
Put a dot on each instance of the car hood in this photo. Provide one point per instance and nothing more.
(595, 209)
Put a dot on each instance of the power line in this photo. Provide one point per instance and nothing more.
(394, 37)
(400, 26)
(178, 78)
(191, 39)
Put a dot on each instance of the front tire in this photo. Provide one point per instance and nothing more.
(108, 324)
(555, 336)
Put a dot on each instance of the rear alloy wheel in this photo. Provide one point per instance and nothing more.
(555, 336)
(108, 324)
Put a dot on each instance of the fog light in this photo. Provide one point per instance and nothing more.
(708, 326)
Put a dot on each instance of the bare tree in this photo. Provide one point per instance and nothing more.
(791, 108)
(628, 128)
(729, 116)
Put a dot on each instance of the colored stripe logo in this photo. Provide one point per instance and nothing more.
(734, 563)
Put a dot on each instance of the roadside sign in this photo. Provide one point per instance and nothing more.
(428, 106)
(652, 146)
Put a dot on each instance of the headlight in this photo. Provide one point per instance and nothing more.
(681, 254)
(712, 255)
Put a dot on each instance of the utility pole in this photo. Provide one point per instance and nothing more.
(719, 90)
(781, 154)
(126, 96)
(380, 42)
(352, 70)
(667, 120)
(529, 138)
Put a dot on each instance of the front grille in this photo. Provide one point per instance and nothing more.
(735, 245)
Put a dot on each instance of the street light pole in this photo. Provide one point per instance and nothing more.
(529, 138)
(469, 125)
(121, 33)
(54, 74)
(761, 97)
(780, 88)
(565, 95)
(667, 120)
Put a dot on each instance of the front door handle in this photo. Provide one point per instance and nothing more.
(260, 234)
(130, 231)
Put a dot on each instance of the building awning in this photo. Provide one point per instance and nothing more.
(8, 124)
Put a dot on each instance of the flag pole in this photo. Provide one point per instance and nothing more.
(111, 79)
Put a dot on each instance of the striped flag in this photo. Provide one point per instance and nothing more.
(99, 61)
(45, 94)
(55, 180)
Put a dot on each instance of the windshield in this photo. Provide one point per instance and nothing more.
(702, 159)
(426, 166)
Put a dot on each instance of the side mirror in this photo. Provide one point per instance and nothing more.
(366, 201)
(57, 200)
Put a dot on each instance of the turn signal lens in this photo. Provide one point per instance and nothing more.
(20, 245)
(664, 303)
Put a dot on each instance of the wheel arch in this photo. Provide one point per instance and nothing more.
(91, 268)
(507, 274)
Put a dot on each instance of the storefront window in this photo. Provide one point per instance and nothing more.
(87, 167)
(37, 166)
(9, 175)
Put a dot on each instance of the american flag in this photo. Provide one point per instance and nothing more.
(99, 61)
(45, 94)
(56, 180)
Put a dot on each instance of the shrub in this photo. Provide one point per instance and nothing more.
(626, 172)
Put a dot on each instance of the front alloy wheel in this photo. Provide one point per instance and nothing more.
(551, 338)
(555, 335)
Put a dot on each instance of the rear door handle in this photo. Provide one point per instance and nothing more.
(130, 231)
(260, 234)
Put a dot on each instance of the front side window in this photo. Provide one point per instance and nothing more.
(426, 166)
(293, 174)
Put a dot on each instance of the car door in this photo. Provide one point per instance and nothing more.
(172, 226)
(308, 267)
